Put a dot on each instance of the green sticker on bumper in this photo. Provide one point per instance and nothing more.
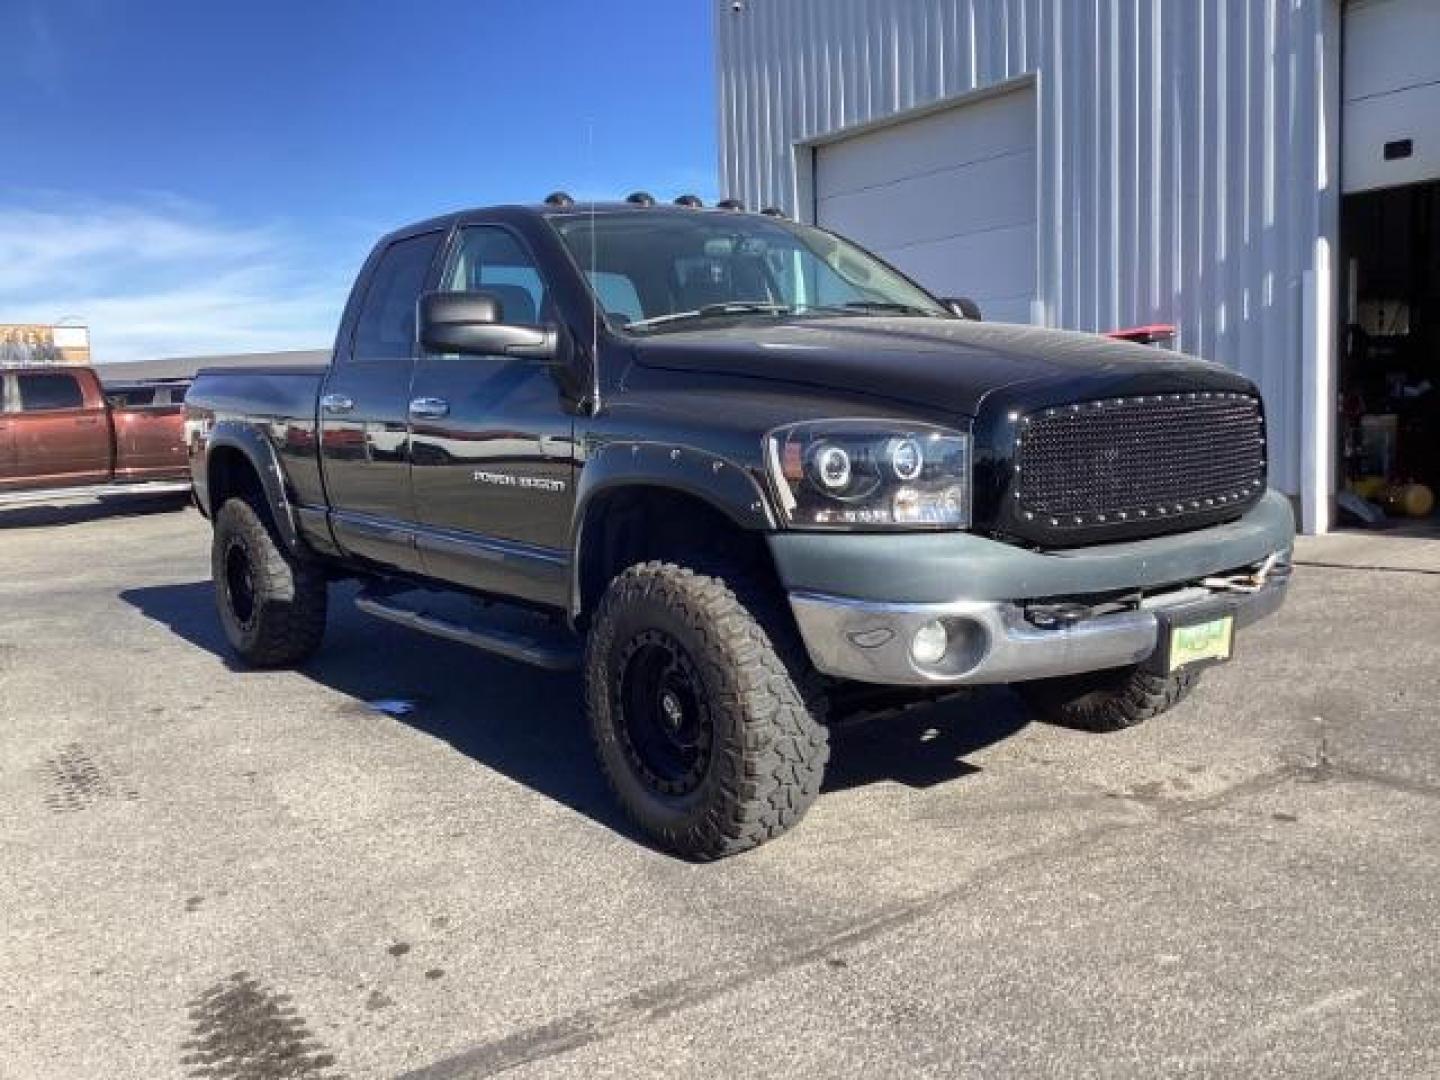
(1203, 641)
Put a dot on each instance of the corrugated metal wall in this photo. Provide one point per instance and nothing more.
(1184, 174)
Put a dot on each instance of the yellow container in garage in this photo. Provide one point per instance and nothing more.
(1369, 487)
(1412, 500)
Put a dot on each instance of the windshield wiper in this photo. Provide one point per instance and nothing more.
(877, 305)
(711, 311)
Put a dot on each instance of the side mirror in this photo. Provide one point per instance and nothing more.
(963, 306)
(470, 322)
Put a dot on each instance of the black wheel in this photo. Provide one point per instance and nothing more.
(1107, 700)
(707, 718)
(272, 604)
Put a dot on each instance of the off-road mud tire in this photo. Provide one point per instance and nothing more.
(769, 743)
(1107, 700)
(282, 621)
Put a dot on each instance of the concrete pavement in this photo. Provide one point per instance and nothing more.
(214, 872)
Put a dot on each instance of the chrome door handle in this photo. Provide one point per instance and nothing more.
(337, 403)
(429, 408)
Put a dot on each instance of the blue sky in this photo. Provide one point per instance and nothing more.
(202, 176)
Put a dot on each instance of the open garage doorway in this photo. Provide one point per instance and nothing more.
(1389, 356)
(1390, 360)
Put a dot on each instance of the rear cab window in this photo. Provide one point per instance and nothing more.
(385, 328)
(137, 398)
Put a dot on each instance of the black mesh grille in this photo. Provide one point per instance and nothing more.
(1159, 457)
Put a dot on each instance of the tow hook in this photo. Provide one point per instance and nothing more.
(1057, 616)
(1253, 581)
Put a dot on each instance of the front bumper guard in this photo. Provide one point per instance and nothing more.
(994, 642)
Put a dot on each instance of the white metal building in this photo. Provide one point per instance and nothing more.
(1102, 163)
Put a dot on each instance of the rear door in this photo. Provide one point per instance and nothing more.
(61, 437)
(492, 440)
(364, 423)
(149, 428)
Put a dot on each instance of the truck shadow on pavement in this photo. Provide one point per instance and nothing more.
(529, 724)
(48, 515)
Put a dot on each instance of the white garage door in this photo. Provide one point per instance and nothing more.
(948, 197)
(1391, 125)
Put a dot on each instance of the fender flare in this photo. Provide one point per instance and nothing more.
(252, 444)
(719, 482)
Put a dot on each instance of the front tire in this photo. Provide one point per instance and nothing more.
(705, 713)
(272, 604)
(1108, 700)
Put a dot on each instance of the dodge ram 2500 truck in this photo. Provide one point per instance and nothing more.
(62, 433)
(736, 468)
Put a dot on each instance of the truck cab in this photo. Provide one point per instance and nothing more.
(738, 470)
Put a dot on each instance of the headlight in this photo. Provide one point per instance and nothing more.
(842, 474)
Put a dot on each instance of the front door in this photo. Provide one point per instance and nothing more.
(60, 438)
(364, 436)
(492, 453)
(9, 465)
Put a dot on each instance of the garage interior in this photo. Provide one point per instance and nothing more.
(1390, 360)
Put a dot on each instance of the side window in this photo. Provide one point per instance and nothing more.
(41, 393)
(385, 329)
(491, 260)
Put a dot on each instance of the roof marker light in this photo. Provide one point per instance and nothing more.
(730, 204)
(559, 198)
(692, 201)
(640, 198)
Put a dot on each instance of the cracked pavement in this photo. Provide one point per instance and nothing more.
(213, 872)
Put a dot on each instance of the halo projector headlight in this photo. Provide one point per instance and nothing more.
(845, 474)
(906, 458)
(832, 467)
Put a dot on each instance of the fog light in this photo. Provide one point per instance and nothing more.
(930, 643)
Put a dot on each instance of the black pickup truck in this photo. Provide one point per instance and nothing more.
(740, 471)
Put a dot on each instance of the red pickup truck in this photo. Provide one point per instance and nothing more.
(61, 431)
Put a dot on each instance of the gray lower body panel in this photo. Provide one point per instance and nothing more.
(860, 599)
(929, 568)
(991, 641)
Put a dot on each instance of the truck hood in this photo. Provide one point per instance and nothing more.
(949, 365)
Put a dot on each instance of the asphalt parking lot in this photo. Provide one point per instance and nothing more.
(212, 872)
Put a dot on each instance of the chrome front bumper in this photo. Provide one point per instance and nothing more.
(993, 641)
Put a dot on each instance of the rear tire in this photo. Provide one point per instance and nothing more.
(272, 604)
(706, 715)
(1107, 700)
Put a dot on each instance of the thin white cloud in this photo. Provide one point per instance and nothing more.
(163, 277)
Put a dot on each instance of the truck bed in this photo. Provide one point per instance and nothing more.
(279, 392)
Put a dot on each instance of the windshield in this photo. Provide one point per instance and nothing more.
(658, 271)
